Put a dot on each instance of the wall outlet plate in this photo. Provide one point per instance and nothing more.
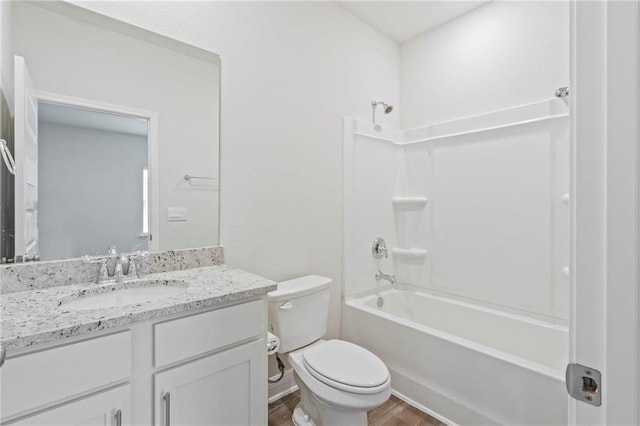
(177, 214)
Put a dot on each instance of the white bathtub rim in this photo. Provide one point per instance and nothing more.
(448, 337)
(555, 323)
(452, 301)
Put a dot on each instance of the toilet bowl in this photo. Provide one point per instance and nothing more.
(339, 381)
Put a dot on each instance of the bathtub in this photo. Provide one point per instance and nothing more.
(463, 363)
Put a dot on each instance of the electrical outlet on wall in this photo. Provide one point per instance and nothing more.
(176, 214)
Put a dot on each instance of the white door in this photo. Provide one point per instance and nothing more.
(606, 165)
(26, 153)
(221, 389)
(110, 408)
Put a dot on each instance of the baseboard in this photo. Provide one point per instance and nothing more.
(283, 387)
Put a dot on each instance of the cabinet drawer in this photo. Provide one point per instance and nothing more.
(187, 337)
(40, 378)
(96, 410)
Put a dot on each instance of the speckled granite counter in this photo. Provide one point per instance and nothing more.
(38, 316)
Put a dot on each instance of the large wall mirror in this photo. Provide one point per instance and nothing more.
(115, 137)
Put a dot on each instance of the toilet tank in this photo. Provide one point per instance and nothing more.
(298, 311)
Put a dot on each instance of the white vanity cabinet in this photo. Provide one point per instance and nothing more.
(227, 387)
(207, 368)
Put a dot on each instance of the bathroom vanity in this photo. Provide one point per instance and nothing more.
(185, 344)
(195, 357)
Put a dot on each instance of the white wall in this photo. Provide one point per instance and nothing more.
(290, 72)
(75, 58)
(90, 191)
(501, 55)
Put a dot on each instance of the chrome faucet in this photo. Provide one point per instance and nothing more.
(112, 261)
(391, 278)
(116, 267)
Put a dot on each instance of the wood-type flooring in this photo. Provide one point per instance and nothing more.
(394, 412)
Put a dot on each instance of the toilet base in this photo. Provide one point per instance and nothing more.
(300, 418)
(313, 412)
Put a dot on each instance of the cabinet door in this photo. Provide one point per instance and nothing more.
(227, 388)
(96, 410)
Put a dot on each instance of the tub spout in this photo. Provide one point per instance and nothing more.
(391, 278)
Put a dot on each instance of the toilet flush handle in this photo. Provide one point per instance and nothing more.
(286, 305)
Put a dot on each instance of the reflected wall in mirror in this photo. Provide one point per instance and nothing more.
(112, 120)
(94, 169)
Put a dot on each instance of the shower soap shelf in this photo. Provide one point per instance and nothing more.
(409, 253)
(409, 202)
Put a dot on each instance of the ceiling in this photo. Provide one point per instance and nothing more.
(88, 119)
(405, 20)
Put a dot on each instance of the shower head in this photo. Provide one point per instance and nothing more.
(387, 108)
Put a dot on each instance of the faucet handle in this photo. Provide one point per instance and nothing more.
(102, 271)
(379, 248)
(133, 267)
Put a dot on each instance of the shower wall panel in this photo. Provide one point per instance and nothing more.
(496, 200)
(476, 208)
(369, 166)
(412, 221)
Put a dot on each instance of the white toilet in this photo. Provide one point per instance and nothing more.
(339, 381)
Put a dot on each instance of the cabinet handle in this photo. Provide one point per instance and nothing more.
(119, 418)
(3, 354)
(167, 409)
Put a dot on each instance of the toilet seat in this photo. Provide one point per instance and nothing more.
(346, 366)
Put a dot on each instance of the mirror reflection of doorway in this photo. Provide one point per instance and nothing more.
(93, 181)
(83, 178)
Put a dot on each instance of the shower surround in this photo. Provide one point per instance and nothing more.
(475, 213)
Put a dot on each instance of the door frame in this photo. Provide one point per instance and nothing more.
(152, 146)
(605, 57)
(24, 98)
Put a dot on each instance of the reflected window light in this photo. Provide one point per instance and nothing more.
(145, 201)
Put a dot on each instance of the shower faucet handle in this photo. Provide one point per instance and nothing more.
(379, 248)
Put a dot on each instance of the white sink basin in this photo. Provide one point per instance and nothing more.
(132, 293)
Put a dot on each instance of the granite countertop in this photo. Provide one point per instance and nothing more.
(40, 316)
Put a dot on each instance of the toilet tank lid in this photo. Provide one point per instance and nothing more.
(299, 287)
